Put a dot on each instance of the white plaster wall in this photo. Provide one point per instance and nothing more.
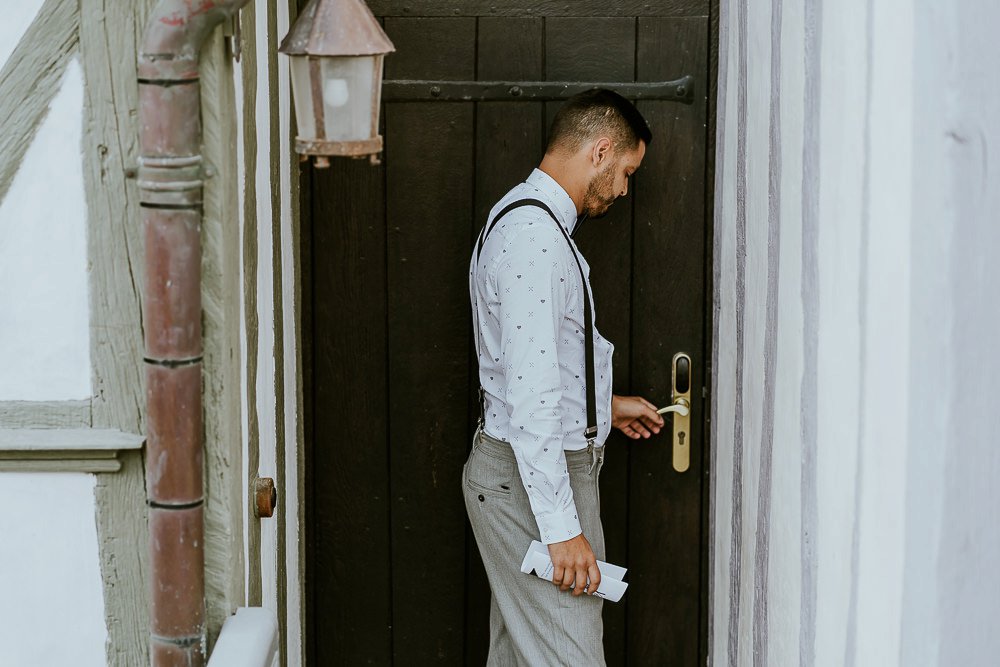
(53, 603)
(858, 193)
(953, 497)
(17, 16)
(44, 325)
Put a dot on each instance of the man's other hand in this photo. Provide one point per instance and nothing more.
(575, 563)
(635, 416)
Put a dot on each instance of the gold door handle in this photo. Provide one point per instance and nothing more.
(681, 407)
(680, 394)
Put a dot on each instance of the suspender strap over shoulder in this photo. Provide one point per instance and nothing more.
(588, 314)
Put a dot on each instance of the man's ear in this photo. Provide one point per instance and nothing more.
(601, 151)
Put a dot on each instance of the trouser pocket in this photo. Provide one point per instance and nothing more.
(488, 474)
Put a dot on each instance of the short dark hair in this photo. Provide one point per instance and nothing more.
(598, 111)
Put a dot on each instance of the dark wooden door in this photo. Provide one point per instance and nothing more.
(393, 576)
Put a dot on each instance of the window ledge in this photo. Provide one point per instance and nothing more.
(64, 450)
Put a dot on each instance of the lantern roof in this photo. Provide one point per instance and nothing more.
(336, 28)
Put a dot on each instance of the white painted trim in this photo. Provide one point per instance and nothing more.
(76, 439)
(64, 450)
(265, 386)
(249, 638)
(294, 578)
(240, 97)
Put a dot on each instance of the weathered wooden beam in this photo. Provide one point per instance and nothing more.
(109, 33)
(221, 295)
(252, 154)
(30, 79)
(45, 414)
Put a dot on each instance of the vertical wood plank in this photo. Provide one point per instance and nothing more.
(109, 38)
(308, 343)
(508, 140)
(224, 557)
(570, 55)
(508, 134)
(350, 504)
(668, 298)
(303, 245)
(431, 48)
(429, 207)
(248, 76)
(298, 530)
(276, 445)
(590, 49)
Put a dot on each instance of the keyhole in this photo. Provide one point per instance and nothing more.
(680, 438)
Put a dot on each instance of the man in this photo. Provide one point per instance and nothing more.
(548, 407)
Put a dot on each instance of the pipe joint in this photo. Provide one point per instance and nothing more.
(170, 181)
(167, 70)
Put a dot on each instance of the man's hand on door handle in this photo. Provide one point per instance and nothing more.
(635, 416)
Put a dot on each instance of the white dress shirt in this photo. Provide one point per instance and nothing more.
(527, 302)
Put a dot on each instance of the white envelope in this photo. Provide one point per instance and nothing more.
(612, 587)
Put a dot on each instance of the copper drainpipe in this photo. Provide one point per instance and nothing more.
(170, 197)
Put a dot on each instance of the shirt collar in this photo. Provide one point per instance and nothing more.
(563, 205)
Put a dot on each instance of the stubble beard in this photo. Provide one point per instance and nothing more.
(595, 201)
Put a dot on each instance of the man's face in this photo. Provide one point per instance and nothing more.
(612, 181)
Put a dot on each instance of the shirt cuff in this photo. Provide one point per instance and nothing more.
(559, 526)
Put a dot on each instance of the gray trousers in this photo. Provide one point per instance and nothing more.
(532, 622)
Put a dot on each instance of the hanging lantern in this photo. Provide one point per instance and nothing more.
(336, 48)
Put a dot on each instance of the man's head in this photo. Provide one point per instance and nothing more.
(598, 140)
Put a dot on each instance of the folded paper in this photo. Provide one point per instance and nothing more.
(612, 588)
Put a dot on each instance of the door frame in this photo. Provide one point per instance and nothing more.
(712, 341)
(711, 354)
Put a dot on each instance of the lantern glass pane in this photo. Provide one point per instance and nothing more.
(348, 85)
(302, 90)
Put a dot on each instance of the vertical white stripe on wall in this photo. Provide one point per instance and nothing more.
(290, 504)
(725, 364)
(758, 94)
(931, 326)
(968, 577)
(841, 156)
(240, 99)
(265, 311)
(884, 434)
(785, 577)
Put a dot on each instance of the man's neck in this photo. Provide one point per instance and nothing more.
(558, 170)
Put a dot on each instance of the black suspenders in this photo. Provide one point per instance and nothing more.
(588, 316)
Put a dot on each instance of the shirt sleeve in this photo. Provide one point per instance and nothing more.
(532, 280)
